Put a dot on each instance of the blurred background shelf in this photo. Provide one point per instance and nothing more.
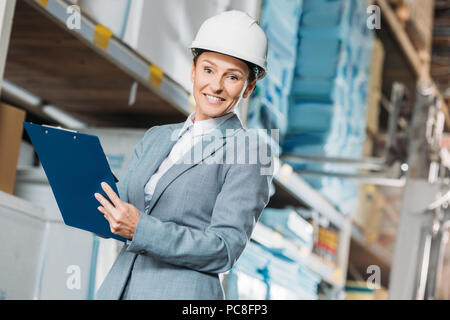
(274, 240)
(292, 183)
(70, 71)
(364, 253)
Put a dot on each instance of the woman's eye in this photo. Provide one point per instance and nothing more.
(208, 70)
(234, 77)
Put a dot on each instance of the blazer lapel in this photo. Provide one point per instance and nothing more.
(152, 158)
(207, 145)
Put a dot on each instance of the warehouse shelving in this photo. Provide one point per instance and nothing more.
(370, 253)
(420, 67)
(377, 251)
(274, 240)
(367, 252)
(415, 74)
(301, 190)
(102, 41)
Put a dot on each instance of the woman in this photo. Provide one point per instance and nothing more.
(189, 220)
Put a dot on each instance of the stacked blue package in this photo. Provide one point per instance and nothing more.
(261, 273)
(328, 104)
(310, 116)
(290, 225)
(291, 281)
(321, 13)
(248, 279)
(318, 44)
(309, 143)
(279, 17)
(269, 102)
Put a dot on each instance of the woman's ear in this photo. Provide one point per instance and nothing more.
(193, 72)
(248, 91)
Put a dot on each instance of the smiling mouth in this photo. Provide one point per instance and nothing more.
(213, 98)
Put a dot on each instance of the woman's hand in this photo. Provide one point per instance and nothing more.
(122, 216)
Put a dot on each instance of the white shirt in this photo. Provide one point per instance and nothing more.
(190, 133)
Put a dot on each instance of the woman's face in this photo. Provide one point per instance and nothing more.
(219, 83)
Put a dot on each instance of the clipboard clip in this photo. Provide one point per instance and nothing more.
(74, 131)
(60, 128)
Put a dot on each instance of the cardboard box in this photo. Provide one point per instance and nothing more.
(370, 211)
(11, 129)
(375, 84)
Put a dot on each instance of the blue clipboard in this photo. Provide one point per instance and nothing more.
(75, 165)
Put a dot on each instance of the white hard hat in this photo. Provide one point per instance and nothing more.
(236, 34)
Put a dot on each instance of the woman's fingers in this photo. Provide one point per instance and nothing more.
(105, 214)
(113, 225)
(116, 213)
(111, 194)
(103, 211)
(104, 202)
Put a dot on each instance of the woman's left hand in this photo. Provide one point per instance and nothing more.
(122, 216)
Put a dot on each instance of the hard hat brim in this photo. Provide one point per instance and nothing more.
(256, 61)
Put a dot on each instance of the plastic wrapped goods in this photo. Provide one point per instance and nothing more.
(290, 225)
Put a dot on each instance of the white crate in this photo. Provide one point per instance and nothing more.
(37, 255)
(67, 263)
(22, 247)
(32, 185)
(66, 246)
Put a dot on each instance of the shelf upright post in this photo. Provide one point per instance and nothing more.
(6, 20)
(343, 253)
(418, 194)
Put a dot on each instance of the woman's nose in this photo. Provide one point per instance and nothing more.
(216, 84)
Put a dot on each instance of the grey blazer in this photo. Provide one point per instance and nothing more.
(199, 219)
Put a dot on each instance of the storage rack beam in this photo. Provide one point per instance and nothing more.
(365, 178)
(403, 39)
(376, 164)
(298, 188)
(101, 40)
